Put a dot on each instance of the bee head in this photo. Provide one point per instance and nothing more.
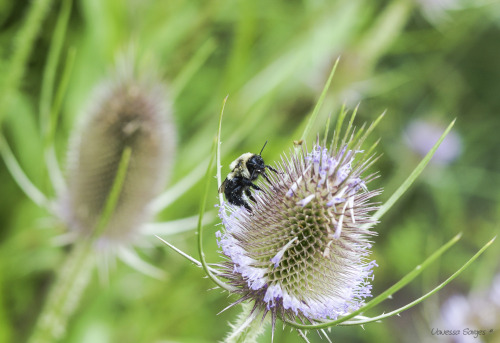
(256, 165)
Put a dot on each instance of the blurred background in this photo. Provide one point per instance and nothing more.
(425, 62)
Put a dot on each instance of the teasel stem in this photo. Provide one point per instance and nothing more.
(74, 275)
(65, 294)
(247, 328)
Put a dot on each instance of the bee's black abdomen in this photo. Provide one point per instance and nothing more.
(234, 192)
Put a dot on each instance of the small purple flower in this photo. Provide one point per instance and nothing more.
(303, 251)
(422, 135)
(474, 316)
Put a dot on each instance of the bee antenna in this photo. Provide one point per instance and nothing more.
(262, 148)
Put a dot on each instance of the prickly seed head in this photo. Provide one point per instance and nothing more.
(127, 112)
(304, 250)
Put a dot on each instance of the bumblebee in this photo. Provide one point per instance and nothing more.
(244, 170)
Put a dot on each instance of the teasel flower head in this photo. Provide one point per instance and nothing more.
(303, 253)
(130, 113)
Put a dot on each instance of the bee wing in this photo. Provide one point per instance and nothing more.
(222, 186)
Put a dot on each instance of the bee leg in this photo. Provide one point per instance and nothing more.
(247, 207)
(253, 177)
(235, 198)
(249, 195)
(249, 183)
(257, 188)
(238, 201)
(271, 168)
(265, 177)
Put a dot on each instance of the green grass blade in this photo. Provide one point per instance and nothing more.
(190, 69)
(422, 298)
(413, 176)
(114, 193)
(370, 129)
(179, 188)
(20, 177)
(316, 109)
(349, 126)
(49, 73)
(338, 129)
(327, 128)
(54, 170)
(386, 294)
(23, 44)
(61, 91)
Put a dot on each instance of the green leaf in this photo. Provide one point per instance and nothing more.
(23, 45)
(49, 73)
(316, 109)
(20, 177)
(192, 67)
(61, 91)
(413, 176)
(53, 168)
(422, 298)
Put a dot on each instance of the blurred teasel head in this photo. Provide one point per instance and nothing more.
(127, 114)
(302, 253)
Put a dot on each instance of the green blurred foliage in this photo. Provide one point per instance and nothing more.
(272, 58)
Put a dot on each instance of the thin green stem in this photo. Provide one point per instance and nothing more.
(203, 261)
(65, 294)
(219, 131)
(74, 275)
(204, 202)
